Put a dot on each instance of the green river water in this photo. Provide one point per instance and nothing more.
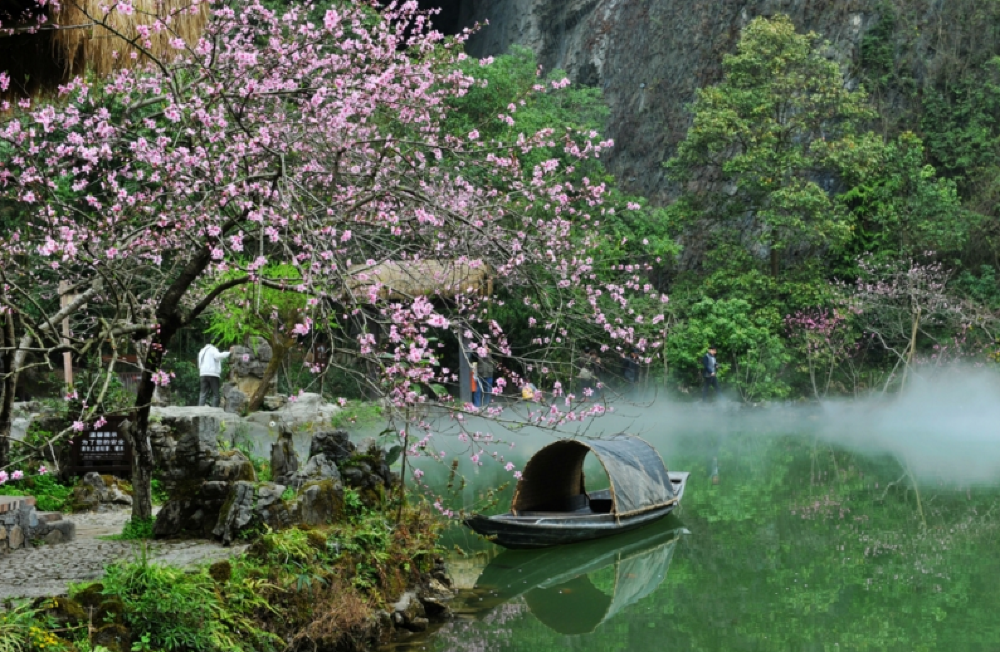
(856, 536)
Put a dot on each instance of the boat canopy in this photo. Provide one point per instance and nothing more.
(552, 479)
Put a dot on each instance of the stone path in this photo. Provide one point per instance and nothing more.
(49, 570)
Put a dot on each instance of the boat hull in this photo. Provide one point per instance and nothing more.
(541, 530)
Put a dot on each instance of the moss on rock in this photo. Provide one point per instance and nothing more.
(221, 571)
(113, 636)
(63, 612)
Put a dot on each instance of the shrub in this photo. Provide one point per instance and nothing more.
(51, 496)
(133, 530)
(178, 610)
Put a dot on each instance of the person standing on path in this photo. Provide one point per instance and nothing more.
(210, 368)
(484, 381)
(709, 366)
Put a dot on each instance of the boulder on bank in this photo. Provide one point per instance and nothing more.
(336, 445)
(207, 486)
(214, 493)
(284, 460)
(299, 411)
(96, 493)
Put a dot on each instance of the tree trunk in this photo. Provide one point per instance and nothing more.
(138, 432)
(812, 371)
(279, 349)
(915, 329)
(7, 339)
(142, 483)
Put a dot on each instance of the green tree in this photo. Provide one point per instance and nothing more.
(751, 352)
(905, 208)
(270, 310)
(772, 141)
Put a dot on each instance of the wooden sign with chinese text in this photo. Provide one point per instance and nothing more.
(104, 449)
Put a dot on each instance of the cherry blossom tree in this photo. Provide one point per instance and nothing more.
(900, 301)
(276, 140)
(826, 338)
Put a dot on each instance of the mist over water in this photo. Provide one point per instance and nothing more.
(859, 524)
(945, 429)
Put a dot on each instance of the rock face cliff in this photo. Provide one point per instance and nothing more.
(650, 56)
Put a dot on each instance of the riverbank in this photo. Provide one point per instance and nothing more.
(352, 585)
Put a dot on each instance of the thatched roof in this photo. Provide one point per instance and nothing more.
(408, 279)
(71, 42)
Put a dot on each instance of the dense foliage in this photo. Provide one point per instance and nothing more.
(293, 590)
(805, 226)
(280, 142)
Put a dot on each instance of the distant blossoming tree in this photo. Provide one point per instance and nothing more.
(276, 140)
(900, 301)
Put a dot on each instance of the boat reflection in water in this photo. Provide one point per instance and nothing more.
(561, 585)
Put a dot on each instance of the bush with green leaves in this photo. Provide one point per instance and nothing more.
(50, 494)
(135, 530)
(179, 610)
(751, 352)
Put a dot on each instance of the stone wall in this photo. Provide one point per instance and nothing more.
(21, 525)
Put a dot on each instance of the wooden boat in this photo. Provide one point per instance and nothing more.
(560, 586)
(551, 505)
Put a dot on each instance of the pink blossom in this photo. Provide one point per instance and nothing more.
(17, 475)
(438, 321)
(162, 378)
(42, 470)
(277, 146)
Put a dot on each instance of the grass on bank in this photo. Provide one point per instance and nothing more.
(292, 590)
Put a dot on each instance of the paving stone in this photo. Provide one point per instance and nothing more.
(48, 570)
(16, 537)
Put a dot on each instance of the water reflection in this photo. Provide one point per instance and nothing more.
(801, 545)
(574, 589)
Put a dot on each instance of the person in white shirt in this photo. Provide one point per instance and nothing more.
(210, 368)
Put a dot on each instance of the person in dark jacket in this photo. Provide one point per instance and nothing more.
(709, 367)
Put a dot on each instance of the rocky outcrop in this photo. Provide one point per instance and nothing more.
(203, 482)
(649, 58)
(247, 365)
(98, 493)
(284, 461)
(334, 444)
(214, 493)
(235, 513)
(424, 603)
(302, 410)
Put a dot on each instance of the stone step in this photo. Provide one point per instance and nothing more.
(49, 517)
(12, 503)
